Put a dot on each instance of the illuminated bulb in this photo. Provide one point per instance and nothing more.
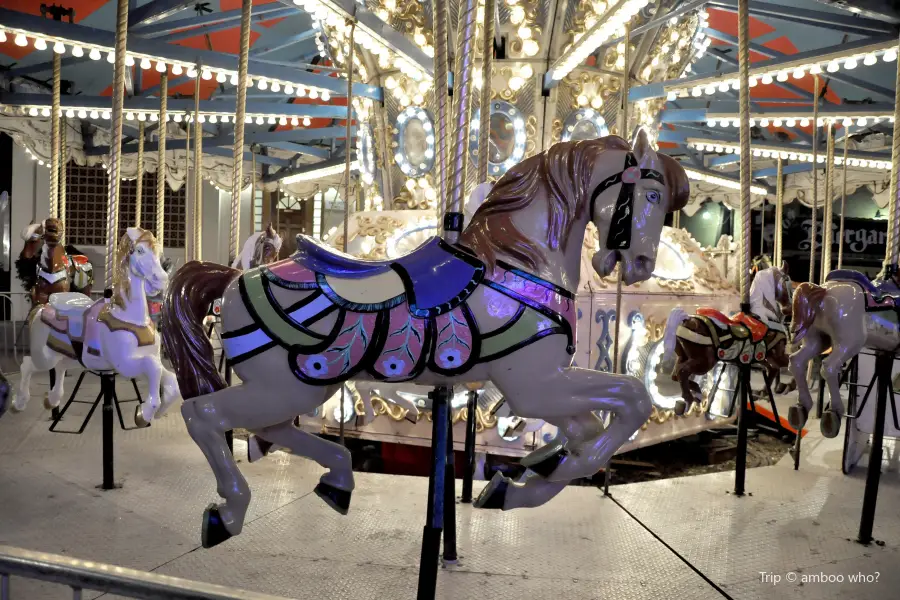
(128, 116)
(799, 73)
(262, 84)
(234, 79)
(804, 122)
(177, 117)
(145, 63)
(752, 82)
(160, 66)
(306, 122)
(752, 122)
(295, 121)
(110, 57)
(671, 96)
(530, 47)
(282, 121)
(782, 76)
(870, 60)
(192, 72)
(77, 51)
(411, 184)
(143, 117)
(862, 122)
(313, 94)
(723, 87)
(847, 122)
(2, 36)
(596, 102)
(889, 56)
(764, 122)
(45, 112)
(776, 122)
(815, 69)
(833, 66)
(767, 79)
(516, 15)
(21, 40)
(95, 114)
(525, 33)
(850, 63)
(326, 96)
(620, 62)
(260, 121)
(582, 100)
(276, 87)
(516, 83)
(177, 70)
(696, 92)
(59, 48)
(206, 74)
(70, 113)
(289, 89)
(221, 78)
(129, 61)
(710, 89)
(40, 44)
(790, 122)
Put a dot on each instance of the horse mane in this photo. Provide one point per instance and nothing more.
(121, 283)
(563, 174)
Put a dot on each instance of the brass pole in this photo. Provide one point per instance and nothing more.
(198, 172)
(484, 117)
(840, 262)
(55, 115)
(828, 216)
(63, 163)
(161, 158)
(439, 10)
(893, 245)
(139, 183)
(187, 188)
(237, 177)
(623, 126)
(815, 183)
(115, 143)
(779, 213)
(347, 153)
(745, 169)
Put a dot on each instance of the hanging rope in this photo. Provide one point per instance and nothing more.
(55, 115)
(484, 117)
(63, 163)
(744, 62)
(237, 177)
(139, 183)
(828, 216)
(439, 10)
(893, 245)
(347, 153)
(843, 203)
(187, 196)
(161, 157)
(115, 143)
(815, 182)
(198, 172)
(623, 112)
(762, 228)
(779, 212)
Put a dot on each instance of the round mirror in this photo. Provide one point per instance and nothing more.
(414, 141)
(506, 137)
(584, 124)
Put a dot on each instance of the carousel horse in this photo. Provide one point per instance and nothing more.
(498, 306)
(846, 313)
(701, 340)
(46, 267)
(261, 248)
(106, 335)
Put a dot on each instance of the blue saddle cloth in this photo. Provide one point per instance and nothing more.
(436, 276)
(856, 277)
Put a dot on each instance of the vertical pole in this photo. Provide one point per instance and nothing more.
(762, 227)
(623, 119)
(450, 555)
(115, 142)
(779, 213)
(740, 466)
(54, 412)
(161, 158)
(434, 520)
(883, 365)
(484, 117)
(815, 183)
(139, 183)
(840, 261)
(893, 244)
(63, 163)
(187, 189)
(4, 587)
(471, 407)
(462, 91)
(107, 383)
(439, 9)
(240, 111)
(54, 138)
(828, 212)
(198, 172)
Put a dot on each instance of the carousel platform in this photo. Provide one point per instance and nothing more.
(678, 538)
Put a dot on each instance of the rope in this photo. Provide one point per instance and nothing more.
(462, 89)
(843, 203)
(893, 244)
(161, 159)
(347, 152)
(623, 112)
(187, 196)
(828, 216)
(779, 212)
(237, 177)
(487, 65)
(115, 144)
(626, 83)
(55, 115)
(198, 171)
(744, 62)
(762, 227)
(441, 68)
(139, 191)
(815, 183)
(63, 162)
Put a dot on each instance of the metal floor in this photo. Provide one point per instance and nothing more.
(635, 545)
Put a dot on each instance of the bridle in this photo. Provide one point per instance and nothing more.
(619, 236)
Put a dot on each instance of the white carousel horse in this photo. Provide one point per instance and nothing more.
(109, 335)
(261, 248)
(847, 313)
(496, 307)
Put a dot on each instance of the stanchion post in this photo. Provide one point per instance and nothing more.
(450, 555)
(471, 406)
(884, 363)
(434, 519)
(740, 463)
(107, 383)
(54, 412)
(229, 435)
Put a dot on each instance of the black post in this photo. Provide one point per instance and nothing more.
(884, 363)
(229, 435)
(469, 474)
(820, 401)
(107, 384)
(740, 467)
(434, 521)
(450, 555)
(54, 412)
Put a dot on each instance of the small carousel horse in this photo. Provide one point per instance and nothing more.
(498, 307)
(847, 313)
(47, 267)
(261, 248)
(701, 340)
(105, 335)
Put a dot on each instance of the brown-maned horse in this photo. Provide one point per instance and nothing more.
(44, 266)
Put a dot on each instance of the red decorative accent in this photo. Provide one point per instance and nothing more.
(757, 328)
(80, 259)
(631, 175)
(745, 357)
(721, 354)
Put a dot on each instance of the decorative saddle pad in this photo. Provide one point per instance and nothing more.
(741, 324)
(733, 339)
(876, 299)
(394, 320)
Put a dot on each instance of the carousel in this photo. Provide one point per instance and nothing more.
(458, 226)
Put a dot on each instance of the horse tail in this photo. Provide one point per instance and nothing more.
(807, 302)
(191, 292)
(676, 318)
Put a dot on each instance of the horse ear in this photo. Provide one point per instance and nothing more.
(641, 144)
(784, 267)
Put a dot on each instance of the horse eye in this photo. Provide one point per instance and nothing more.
(653, 196)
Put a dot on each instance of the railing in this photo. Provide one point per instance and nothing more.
(85, 575)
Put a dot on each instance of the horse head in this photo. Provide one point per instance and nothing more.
(138, 257)
(268, 244)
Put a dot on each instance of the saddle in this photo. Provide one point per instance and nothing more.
(741, 325)
(878, 297)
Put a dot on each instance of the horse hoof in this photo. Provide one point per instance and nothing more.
(831, 424)
(214, 531)
(48, 404)
(797, 416)
(336, 498)
(545, 460)
(257, 448)
(680, 408)
(139, 420)
(493, 496)
(780, 388)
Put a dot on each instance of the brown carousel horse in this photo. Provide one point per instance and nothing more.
(46, 267)
(700, 341)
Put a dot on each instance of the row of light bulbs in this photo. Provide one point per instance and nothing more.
(210, 117)
(793, 121)
(864, 163)
(722, 181)
(783, 75)
(585, 45)
(162, 65)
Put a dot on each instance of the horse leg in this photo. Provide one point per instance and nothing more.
(150, 367)
(58, 390)
(831, 372)
(251, 406)
(42, 359)
(336, 484)
(170, 390)
(810, 348)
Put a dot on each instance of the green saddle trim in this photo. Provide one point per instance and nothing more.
(526, 326)
(272, 320)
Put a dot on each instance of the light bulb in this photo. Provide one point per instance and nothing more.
(833, 66)
(752, 82)
(804, 122)
(862, 122)
(142, 117)
(313, 94)
(202, 118)
(128, 116)
(815, 69)
(711, 123)
(192, 72)
(45, 112)
(145, 63)
(847, 122)
(723, 87)
(326, 95)
(889, 56)
(176, 69)
(710, 89)
(177, 117)
(289, 89)
(206, 75)
(776, 122)
(271, 120)
(850, 63)
(234, 79)
(59, 48)
(597, 102)
(782, 76)
(799, 73)
(260, 121)
(110, 57)
(870, 60)
(2, 36)
(295, 121)
(70, 113)
(262, 84)
(764, 122)
(276, 87)
(129, 61)
(791, 122)
(306, 122)
(95, 114)
(40, 44)
(767, 79)
(160, 66)
(282, 121)
(220, 78)
(77, 51)
(21, 40)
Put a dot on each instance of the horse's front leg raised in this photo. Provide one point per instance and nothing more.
(131, 366)
(832, 367)
(811, 347)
